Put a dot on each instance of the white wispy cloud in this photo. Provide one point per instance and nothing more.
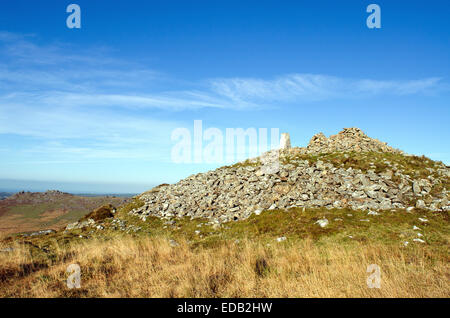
(96, 79)
(68, 134)
(89, 104)
(169, 101)
(314, 87)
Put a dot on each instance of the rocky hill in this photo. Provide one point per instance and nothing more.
(309, 219)
(4, 195)
(347, 170)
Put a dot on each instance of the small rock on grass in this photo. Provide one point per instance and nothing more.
(322, 222)
(420, 204)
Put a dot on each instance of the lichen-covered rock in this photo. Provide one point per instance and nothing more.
(80, 224)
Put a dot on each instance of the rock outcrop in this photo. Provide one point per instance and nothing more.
(348, 140)
(299, 180)
(101, 213)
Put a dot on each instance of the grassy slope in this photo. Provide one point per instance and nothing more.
(244, 259)
(241, 259)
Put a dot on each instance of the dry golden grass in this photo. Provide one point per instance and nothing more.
(151, 267)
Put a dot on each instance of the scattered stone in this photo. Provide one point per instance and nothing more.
(281, 239)
(416, 188)
(420, 204)
(322, 222)
(80, 224)
(423, 220)
(416, 228)
(39, 233)
(418, 240)
(373, 213)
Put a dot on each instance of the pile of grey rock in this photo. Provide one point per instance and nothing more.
(348, 140)
(233, 193)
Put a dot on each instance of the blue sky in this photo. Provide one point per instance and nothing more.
(93, 109)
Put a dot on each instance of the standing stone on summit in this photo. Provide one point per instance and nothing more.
(285, 141)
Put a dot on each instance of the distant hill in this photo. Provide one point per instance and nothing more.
(4, 195)
(33, 211)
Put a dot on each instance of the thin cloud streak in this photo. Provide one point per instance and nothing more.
(102, 107)
(316, 87)
(99, 80)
